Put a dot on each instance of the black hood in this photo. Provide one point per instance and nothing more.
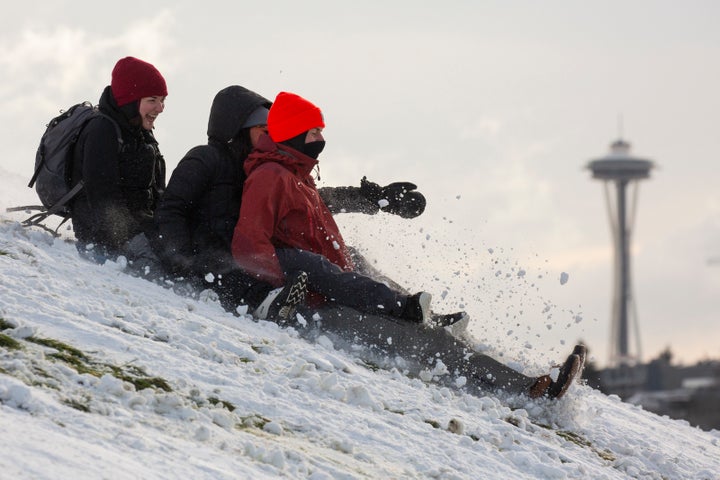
(230, 109)
(121, 115)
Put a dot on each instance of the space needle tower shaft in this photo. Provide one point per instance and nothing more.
(622, 170)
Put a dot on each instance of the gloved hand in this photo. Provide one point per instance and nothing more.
(399, 198)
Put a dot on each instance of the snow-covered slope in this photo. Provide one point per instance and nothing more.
(230, 398)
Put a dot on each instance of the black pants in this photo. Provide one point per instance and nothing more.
(351, 289)
(236, 288)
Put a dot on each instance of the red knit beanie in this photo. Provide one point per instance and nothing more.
(291, 115)
(133, 79)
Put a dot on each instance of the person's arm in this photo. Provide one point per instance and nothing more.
(173, 217)
(261, 211)
(399, 198)
(347, 200)
(101, 179)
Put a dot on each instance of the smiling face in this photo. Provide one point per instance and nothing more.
(150, 108)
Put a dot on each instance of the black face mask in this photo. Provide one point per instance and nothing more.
(313, 149)
(297, 142)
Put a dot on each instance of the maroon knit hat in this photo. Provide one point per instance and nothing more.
(291, 115)
(133, 79)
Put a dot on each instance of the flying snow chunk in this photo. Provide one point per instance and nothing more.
(564, 278)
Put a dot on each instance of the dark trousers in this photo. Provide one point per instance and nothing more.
(236, 288)
(351, 289)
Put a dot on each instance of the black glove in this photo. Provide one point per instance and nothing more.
(399, 198)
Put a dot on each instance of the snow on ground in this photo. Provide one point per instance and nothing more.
(103, 375)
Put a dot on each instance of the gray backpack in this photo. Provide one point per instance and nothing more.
(52, 163)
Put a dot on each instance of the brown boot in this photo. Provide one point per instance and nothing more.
(581, 351)
(539, 388)
(570, 369)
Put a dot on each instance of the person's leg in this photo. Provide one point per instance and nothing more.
(93, 252)
(236, 288)
(458, 321)
(422, 348)
(363, 266)
(141, 258)
(345, 288)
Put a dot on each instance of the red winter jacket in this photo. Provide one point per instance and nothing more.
(280, 208)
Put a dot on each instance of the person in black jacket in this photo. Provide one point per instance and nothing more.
(199, 209)
(123, 178)
(197, 214)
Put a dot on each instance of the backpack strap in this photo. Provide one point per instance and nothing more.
(57, 209)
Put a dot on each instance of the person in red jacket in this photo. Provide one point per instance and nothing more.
(285, 227)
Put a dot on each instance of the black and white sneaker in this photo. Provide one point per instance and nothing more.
(457, 322)
(417, 308)
(281, 303)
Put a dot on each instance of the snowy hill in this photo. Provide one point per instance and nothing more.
(107, 376)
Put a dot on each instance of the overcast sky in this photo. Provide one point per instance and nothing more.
(493, 108)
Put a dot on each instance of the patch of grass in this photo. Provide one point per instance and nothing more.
(81, 363)
(77, 405)
(3, 252)
(59, 346)
(583, 442)
(9, 343)
(228, 405)
(433, 423)
(149, 382)
(253, 421)
(513, 421)
(137, 376)
(5, 325)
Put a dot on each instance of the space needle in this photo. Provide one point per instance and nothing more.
(621, 170)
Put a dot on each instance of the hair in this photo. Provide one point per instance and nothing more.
(240, 145)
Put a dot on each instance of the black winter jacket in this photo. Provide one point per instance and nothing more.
(198, 212)
(197, 215)
(122, 183)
